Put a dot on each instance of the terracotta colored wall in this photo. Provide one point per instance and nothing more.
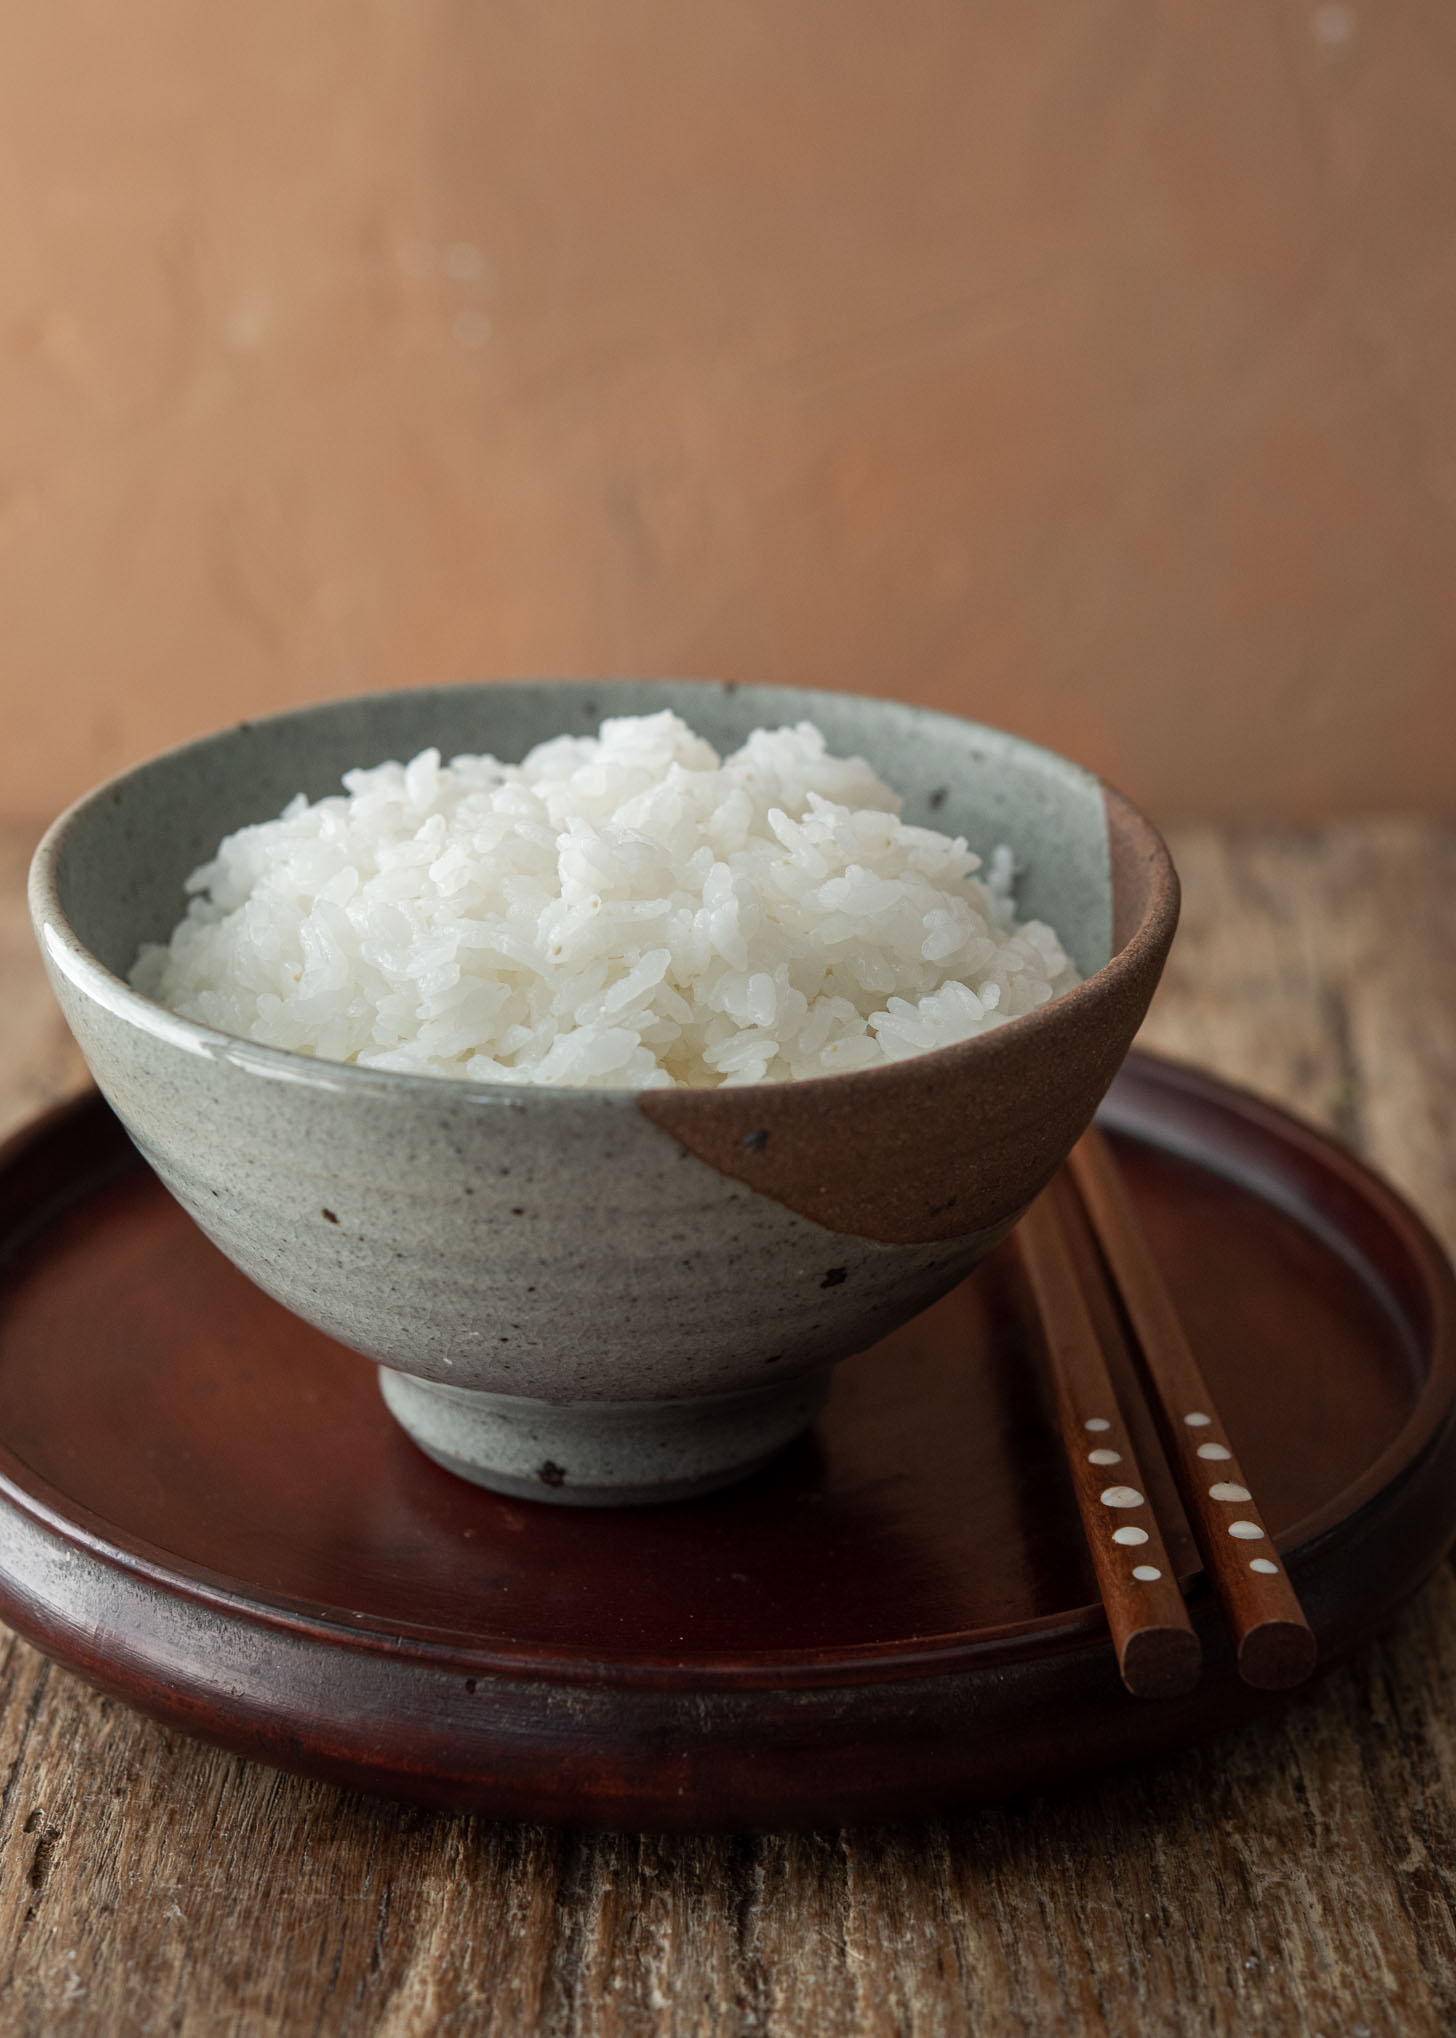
(1087, 367)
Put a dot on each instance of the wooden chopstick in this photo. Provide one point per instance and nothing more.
(1158, 1653)
(1276, 1645)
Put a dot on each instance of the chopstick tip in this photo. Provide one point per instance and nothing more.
(1161, 1662)
(1277, 1654)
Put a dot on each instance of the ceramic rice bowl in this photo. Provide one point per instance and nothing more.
(603, 1296)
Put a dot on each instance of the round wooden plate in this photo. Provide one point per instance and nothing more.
(206, 1510)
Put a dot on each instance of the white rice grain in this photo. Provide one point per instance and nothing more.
(624, 910)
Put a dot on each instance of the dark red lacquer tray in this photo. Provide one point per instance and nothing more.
(205, 1509)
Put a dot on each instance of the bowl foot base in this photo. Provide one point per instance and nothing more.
(602, 1453)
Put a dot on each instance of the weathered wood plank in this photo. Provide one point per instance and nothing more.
(1296, 1877)
(39, 1061)
(1320, 969)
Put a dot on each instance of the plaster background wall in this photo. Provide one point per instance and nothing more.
(1087, 368)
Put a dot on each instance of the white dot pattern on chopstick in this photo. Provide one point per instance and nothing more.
(1262, 1565)
(1129, 1537)
(1246, 1531)
(1097, 1422)
(1225, 1489)
(1104, 1457)
(1146, 1573)
(1121, 1496)
(1214, 1451)
(1198, 1420)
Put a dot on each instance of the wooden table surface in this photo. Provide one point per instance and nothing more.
(1296, 1877)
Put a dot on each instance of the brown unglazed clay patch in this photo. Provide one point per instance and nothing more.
(960, 1140)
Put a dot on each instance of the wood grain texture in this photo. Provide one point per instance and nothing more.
(39, 1061)
(1295, 1877)
(1157, 1650)
(1276, 1646)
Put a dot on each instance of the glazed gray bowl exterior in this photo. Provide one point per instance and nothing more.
(603, 1295)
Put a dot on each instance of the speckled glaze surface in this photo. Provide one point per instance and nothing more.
(600, 1296)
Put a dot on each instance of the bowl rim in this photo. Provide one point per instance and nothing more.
(1144, 945)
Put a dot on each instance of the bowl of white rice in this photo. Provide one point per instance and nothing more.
(605, 1061)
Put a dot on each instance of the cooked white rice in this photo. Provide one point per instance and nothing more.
(619, 911)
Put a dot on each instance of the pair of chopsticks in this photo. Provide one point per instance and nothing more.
(1077, 1297)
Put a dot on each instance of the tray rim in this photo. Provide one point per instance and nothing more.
(953, 1654)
